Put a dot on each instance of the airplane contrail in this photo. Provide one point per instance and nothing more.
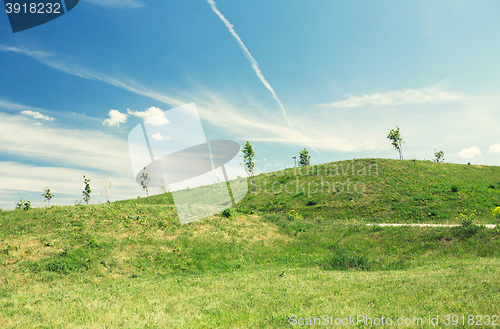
(255, 67)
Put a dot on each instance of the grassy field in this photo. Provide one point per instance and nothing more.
(130, 264)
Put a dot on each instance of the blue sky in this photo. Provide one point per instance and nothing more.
(344, 72)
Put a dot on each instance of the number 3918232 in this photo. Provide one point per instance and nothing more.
(33, 8)
(478, 320)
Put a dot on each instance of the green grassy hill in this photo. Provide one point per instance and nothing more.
(380, 190)
(277, 253)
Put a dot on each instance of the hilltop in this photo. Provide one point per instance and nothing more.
(379, 190)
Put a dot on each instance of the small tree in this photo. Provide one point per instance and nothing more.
(145, 182)
(87, 190)
(248, 154)
(164, 186)
(396, 140)
(439, 156)
(106, 186)
(23, 204)
(304, 158)
(47, 195)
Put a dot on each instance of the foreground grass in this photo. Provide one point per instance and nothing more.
(250, 298)
(131, 265)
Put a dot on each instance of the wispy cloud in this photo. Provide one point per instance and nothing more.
(63, 155)
(60, 63)
(91, 149)
(11, 106)
(255, 67)
(469, 153)
(18, 50)
(115, 118)
(117, 3)
(36, 115)
(398, 97)
(263, 126)
(6, 105)
(216, 110)
(253, 125)
(494, 148)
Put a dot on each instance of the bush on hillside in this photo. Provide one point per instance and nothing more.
(291, 215)
(23, 204)
(496, 212)
(467, 226)
(228, 213)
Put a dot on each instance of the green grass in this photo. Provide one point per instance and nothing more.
(130, 264)
(252, 298)
(387, 191)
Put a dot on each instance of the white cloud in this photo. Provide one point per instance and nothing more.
(151, 112)
(115, 118)
(37, 115)
(148, 113)
(494, 148)
(469, 153)
(117, 3)
(158, 137)
(37, 124)
(398, 97)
